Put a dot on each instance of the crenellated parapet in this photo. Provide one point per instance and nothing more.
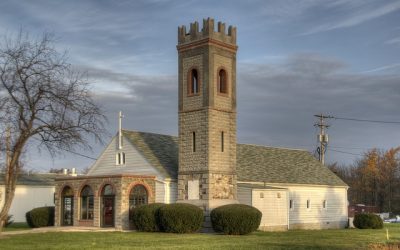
(207, 31)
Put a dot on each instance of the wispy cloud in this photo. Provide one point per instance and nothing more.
(395, 40)
(383, 68)
(356, 17)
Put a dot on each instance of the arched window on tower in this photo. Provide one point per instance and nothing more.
(222, 84)
(194, 85)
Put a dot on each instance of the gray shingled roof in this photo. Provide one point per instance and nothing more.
(281, 165)
(33, 179)
(160, 150)
(254, 163)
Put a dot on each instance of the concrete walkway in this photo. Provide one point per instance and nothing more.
(61, 229)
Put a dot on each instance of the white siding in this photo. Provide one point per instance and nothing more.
(135, 163)
(335, 212)
(160, 192)
(273, 205)
(28, 197)
(173, 192)
(244, 195)
(336, 209)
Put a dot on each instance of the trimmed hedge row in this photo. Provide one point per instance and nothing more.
(40, 217)
(145, 217)
(236, 219)
(186, 218)
(368, 221)
(171, 218)
(180, 218)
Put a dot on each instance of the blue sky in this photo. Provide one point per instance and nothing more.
(295, 59)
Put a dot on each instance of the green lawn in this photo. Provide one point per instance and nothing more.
(16, 226)
(302, 239)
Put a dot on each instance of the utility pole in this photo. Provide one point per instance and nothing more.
(322, 136)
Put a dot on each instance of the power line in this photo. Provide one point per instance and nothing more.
(343, 152)
(75, 153)
(364, 120)
(351, 147)
(70, 151)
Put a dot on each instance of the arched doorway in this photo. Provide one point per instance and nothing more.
(67, 207)
(138, 196)
(107, 206)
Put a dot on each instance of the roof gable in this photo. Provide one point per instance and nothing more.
(135, 161)
(161, 151)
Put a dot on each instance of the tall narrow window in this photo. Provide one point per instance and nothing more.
(308, 204)
(222, 82)
(194, 82)
(120, 158)
(194, 141)
(222, 141)
(324, 204)
(291, 204)
(87, 203)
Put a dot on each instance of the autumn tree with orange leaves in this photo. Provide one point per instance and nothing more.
(373, 179)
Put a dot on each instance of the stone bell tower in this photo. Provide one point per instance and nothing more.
(207, 115)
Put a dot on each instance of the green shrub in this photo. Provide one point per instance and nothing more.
(235, 219)
(40, 217)
(180, 218)
(368, 221)
(145, 218)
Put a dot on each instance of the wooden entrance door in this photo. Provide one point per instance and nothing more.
(108, 211)
(68, 211)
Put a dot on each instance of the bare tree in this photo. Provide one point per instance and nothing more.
(42, 100)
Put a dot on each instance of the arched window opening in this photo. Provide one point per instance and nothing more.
(138, 196)
(107, 190)
(222, 82)
(107, 207)
(194, 85)
(67, 199)
(87, 203)
(67, 191)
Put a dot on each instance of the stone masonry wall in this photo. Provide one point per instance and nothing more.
(208, 51)
(122, 186)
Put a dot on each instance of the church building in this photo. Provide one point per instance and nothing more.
(203, 165)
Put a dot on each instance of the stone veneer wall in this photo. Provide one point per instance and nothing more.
(208, 114)
(122, 187)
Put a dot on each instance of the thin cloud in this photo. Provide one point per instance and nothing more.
(383, 68)
(395, 40)
(356, 18)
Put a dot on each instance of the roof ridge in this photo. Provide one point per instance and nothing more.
(249, 144)
(265, 146)
(136, 131)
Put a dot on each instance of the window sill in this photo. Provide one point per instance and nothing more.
(223, 94)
